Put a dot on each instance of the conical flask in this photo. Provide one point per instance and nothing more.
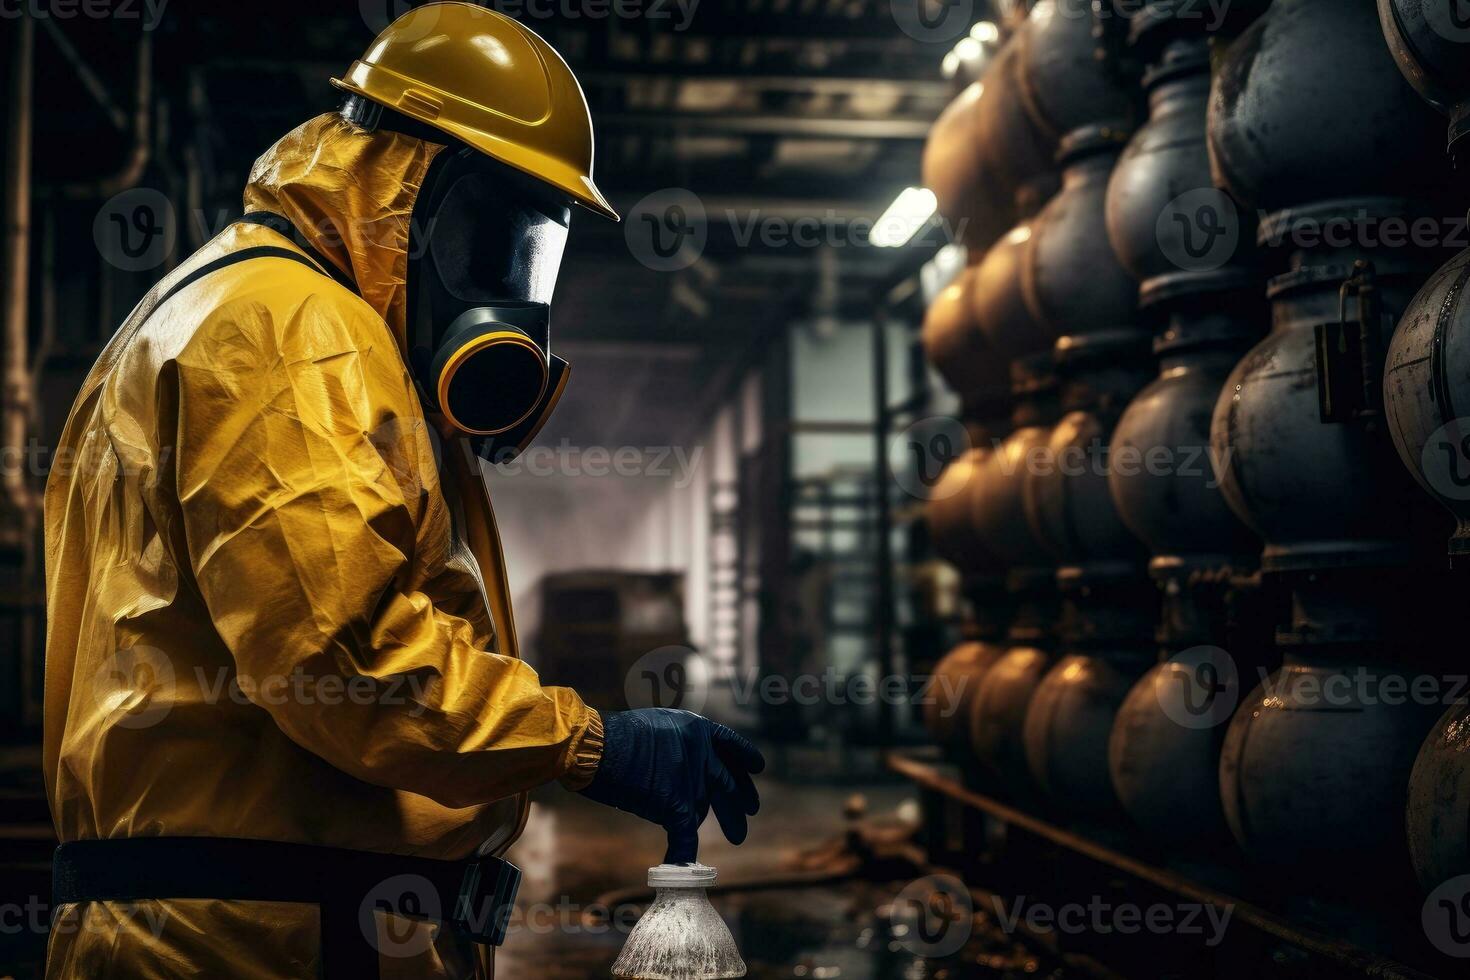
(681, 936)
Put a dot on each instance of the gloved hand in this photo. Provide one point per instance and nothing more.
(669, 767)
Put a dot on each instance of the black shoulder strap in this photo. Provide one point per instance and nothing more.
(254, 252)
(282, 226)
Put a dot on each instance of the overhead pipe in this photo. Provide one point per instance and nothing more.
(141, 150)
(15, 399)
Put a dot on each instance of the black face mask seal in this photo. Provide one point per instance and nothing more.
(485, 246)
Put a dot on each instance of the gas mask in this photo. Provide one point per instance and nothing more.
(485, 246)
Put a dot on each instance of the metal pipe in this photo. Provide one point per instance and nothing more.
(1345, 955)
(94, 85)
(142, 145)
(15, 398)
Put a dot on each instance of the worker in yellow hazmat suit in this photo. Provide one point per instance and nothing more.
(287, 733)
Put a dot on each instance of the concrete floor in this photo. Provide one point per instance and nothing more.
(574, 851)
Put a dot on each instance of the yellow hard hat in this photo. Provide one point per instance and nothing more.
(483, 78)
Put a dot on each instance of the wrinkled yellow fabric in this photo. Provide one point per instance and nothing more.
(268, 615)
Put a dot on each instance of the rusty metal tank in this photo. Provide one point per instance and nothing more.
(1107, 625)
(947, 511)
(1316, 764)
(998, 715)
(950, 698)
(985, 160)
(1308, 106)
(1072, 280)
(1064, 84)
(1164, 214)
(1319, 493)
(957, 348)
(1426, 393)
(1439, 797)
(1430, 41)
(999, 299)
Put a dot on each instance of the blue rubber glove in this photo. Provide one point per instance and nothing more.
(670, 767)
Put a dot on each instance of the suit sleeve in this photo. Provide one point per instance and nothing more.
(314, 518)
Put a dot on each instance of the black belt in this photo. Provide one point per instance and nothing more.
(473, 897)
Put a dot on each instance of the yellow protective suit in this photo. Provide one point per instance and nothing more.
(267, 615)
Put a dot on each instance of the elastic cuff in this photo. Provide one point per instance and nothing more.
(588, 754)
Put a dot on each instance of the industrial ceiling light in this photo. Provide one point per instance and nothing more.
(909, 212)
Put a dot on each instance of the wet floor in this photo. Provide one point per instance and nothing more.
(573, 852)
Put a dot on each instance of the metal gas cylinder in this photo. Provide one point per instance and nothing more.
(1163, 764)
(1108, 620)
(1438, 831)
(1430, 41)
(1308, 105)
(998, 715)
(1069, 720)
(1426, 392)
(1073, 282)
(999, 300)
(1162, 479)
(997, 499)
(1164, 214)
(958, 350)
(947, 512)
(985, 160)
(950, 697)
(1064, 85)
(1316, 763)
(1319, 493)
(1183, 239)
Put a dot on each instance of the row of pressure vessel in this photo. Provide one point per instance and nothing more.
(1265, 439)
